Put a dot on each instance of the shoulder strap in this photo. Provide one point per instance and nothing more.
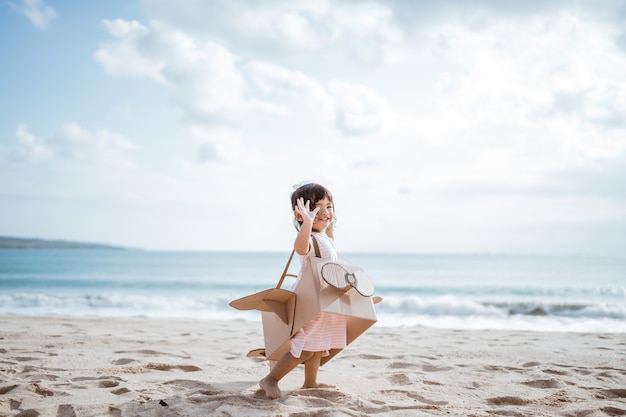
(316, 247)
(282, 277)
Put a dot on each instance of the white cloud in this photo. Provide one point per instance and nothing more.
(75, 142)
(29, 146)
(359, 108)
(286, 27)
(271, 78)
(266, 27)
(367, 31)
(218, 143)
(37, 11)
(202, 77)
(71, 142)
(209, 83)
(515, 99)
(133, 54)
(542, 90)
(364, 31)
(353, 108)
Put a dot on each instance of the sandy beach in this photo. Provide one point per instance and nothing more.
(64, 367)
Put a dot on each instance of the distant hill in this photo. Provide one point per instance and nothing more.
(26, 243)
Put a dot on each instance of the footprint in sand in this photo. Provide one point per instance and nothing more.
(556, 372)
(8, 388)
(433, 368)
(15, 404)
(612, 393)
(543, 383)
(66, 410)
(123, 361)
(108, 384)
(372, 357)
(404, 395)
(399, 379)
(37, 389)
(28, 413)
(84, 378)
(150, 352)
(507, 401)
(425, 367)
(25, 359)
(613, 411)
(198, 386)
(316, 397)
(120, 391)
(167, 367)
(402, 365)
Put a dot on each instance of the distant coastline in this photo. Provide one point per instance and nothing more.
(8, 242)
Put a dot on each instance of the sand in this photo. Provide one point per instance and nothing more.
(64, 367)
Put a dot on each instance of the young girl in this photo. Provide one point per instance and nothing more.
(314, 218)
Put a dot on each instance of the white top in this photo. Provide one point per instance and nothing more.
(326, 244)
(327, 251)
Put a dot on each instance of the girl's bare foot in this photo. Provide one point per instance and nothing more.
(270, 386)
(314, 384)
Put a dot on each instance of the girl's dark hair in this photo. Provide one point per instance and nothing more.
(311, 192)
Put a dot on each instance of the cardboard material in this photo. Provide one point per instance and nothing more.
(285, 312)
(276, 300)
(344, 277)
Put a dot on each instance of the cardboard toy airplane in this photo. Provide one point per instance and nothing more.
(324, 286)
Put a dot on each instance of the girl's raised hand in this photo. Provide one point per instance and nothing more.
(303, 210)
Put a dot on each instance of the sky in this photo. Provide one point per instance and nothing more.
(456, 126)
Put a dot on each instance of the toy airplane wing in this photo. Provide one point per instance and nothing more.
(272, 300)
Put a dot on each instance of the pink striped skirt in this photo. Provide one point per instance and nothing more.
(325, 331)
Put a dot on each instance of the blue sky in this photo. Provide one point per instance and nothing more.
(446, 127)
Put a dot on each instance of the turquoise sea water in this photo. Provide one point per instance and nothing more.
(545, 293)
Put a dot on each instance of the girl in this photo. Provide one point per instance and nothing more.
(326, 331)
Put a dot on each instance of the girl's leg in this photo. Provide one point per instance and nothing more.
(286, 364)
(311, 366)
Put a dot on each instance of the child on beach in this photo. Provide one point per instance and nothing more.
(314, 218)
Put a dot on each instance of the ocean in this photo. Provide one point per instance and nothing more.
(508, 292)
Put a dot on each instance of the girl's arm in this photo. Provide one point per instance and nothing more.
(301, 245)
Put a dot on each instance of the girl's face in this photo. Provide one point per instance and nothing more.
(324, 216)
